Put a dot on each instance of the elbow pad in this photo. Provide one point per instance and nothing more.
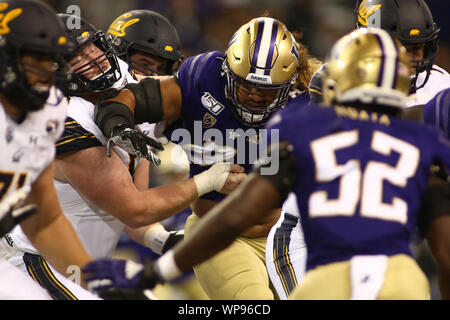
(109, 114)
(148, 102)
(283, 180)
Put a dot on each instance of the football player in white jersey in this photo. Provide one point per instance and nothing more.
(101, 195)
(32, 117)
(412, 23)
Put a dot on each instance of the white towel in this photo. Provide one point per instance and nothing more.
(367, 276)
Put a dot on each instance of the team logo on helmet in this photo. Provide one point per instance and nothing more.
(119, 25)
(414, 32)
(365, 12)
(8, 17)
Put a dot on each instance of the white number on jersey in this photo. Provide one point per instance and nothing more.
(356, 186)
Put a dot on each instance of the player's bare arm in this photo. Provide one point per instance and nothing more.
(249, 204)
(49, 230)
(437, 234)
(107, 183)
(150, 100)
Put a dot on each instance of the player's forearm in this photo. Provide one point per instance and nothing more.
(57, 242)
(444, 284)
(242, 209)
(162, 202)
(214, 232)
(263, 228)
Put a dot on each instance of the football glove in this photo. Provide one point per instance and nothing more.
(159, 240)
(10, 214)
(107, 274)
(172, 240)
(134, 142)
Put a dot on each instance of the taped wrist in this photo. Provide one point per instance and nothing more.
(435, 203)
(148, 103)
(283, 179)
(109, 114)
(155, 238)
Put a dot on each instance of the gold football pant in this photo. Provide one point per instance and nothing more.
(236, 273)
(404, 280)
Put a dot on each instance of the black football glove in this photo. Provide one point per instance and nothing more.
(134, 142)
(172, 240)
(10, 214)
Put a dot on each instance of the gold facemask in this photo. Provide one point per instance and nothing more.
(367, 66)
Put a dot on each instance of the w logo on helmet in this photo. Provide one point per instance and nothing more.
(7, 18)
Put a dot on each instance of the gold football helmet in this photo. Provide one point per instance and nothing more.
(262, 55)
(367, 66)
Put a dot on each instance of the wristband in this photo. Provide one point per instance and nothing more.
(155, 238)
(167, 268)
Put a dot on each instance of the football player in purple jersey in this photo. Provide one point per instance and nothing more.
(362, 179)
(232, 94)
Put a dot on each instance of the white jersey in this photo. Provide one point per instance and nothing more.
(439, 80)
(98, 231)
(28, 148)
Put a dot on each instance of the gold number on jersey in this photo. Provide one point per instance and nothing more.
(365, 187)
(6, 180)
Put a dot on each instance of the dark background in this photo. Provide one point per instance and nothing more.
(206, 25)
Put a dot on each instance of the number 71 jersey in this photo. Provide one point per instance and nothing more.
(27, 148)
(360, 178)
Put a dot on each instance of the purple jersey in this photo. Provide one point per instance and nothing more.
(437, 112)
(215, 133)
(360, 177)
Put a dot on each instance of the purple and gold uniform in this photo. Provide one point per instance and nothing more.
(238, 272)
(359, 181)
(222, 130)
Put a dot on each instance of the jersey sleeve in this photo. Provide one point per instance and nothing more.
(437, 112)
(75, 137)
(192, 73)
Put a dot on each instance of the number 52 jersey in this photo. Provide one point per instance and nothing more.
(360, 178)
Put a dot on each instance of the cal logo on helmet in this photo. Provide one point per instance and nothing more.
(6, 18)
(365, 12)
(119, 25)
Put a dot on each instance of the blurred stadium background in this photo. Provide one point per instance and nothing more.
(205, 25)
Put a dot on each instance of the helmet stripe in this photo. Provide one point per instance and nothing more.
(266, 36)
(387, 76)
(257, 45)
(272, 48)
(383, 54)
